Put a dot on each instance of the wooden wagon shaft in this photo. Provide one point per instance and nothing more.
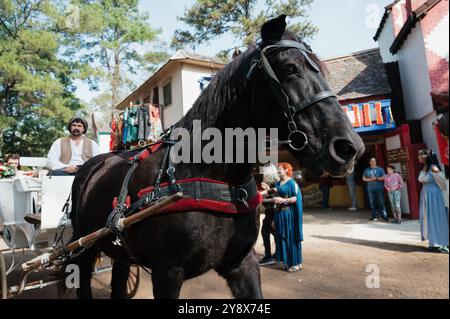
(92, 237)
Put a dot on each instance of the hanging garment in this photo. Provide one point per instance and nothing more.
(119, 135)
(132, 127)
(113, 134)
(155, 122)
(143, 122)
(125, 127)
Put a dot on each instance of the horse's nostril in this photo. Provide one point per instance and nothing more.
(344, 149)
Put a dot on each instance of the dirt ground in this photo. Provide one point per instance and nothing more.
(339, 247)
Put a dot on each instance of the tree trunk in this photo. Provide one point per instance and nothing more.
(115, 80)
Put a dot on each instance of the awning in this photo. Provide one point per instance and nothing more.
(370, 116)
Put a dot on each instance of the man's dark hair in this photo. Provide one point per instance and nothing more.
(77, 120)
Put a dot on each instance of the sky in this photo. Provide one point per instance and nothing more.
(345, 26)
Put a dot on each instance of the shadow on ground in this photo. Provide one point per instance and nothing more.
(377, 244)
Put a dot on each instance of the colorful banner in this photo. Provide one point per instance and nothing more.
(370, 116)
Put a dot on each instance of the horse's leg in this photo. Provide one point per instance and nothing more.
(119, 277)
(244, 280)
(86, 263)
(167, 282)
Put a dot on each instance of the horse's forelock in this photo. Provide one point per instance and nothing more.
(291, 36)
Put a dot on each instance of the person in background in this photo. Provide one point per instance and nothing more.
(351, 185)
(392, 183)
(288, 220)
(70, 152)
(13, 161)
(325, 183)
(433, 203)
(374, 177)
(267, 185)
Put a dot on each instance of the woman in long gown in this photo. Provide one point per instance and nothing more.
(288, 220)
(433, 206)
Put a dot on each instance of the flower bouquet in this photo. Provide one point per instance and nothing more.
(7, 171)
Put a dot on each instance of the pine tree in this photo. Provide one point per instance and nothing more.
(36, 83)
(209, 19)
(109, 34)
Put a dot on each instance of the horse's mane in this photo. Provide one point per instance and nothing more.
(224, 89)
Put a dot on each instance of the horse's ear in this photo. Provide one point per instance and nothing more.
(273, 30)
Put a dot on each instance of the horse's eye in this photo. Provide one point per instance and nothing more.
(289, 69)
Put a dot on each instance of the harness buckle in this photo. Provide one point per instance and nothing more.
(242, 196)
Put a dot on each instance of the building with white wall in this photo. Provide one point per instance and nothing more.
(415, 33)
(175, 86)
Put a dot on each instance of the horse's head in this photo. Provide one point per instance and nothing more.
(290, 90)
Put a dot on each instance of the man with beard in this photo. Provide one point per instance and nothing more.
(70, 152)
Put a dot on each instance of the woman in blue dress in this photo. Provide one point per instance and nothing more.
(433, 206)
(288, 220)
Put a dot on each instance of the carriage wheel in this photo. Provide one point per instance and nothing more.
(133, 281)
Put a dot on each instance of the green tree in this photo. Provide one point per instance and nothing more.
(36, 83)
(110, 33)
(209, 19)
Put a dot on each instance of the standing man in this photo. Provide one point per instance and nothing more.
(374, 176)
(267, 185)
(70, 152)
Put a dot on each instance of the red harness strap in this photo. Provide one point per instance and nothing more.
(191, 204)
(219, 204)
(149, 150)
(225, 205)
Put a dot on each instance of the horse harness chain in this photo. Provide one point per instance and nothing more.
(289, 111)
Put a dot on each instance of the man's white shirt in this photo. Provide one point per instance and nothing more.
(77, 151)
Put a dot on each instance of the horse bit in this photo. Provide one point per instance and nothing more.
(297, 139)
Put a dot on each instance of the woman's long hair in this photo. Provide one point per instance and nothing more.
(430, 159)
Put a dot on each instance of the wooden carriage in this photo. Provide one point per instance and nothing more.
(45, 197)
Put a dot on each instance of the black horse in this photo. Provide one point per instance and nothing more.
(180, 246)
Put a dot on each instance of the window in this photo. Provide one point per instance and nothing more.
(155, 99)
(167, 93)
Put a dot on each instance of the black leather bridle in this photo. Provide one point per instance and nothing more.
(297, 139)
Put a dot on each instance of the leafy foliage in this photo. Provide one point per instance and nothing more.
(109, 34)
(36, 89)
(209, 19)
(46, 44)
